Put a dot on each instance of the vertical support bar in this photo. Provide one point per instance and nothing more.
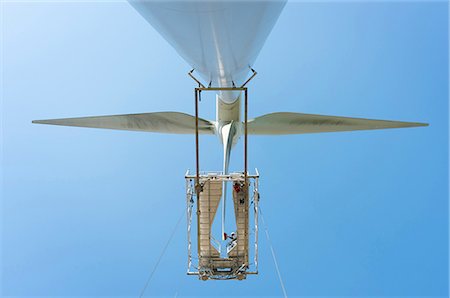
(187, 223)
(189, 206)
(197, 162)
(246, 184)
(245, 136)
(197, 178)
(256, 206)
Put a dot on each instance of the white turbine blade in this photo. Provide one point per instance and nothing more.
(220, 39)
(162, 122)
(296, 123)
(228, 134)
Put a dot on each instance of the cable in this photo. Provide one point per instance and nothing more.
(273, 254)
(161, 256)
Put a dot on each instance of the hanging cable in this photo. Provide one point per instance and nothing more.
(177, 290)
(273, 253)
(161, 256)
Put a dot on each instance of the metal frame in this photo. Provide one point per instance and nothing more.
(191, 198)
(196, 189)
(201, 87)
(197, 149)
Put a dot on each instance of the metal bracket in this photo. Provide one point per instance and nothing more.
(250, 78)
(195, 79)
(201, 85)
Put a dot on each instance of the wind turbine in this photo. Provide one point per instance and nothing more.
(220, 40)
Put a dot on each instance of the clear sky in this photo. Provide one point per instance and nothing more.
(86, 212)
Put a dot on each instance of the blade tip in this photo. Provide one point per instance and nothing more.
(39, 121)
(422, 124)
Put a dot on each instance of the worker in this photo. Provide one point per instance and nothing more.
(233, 240)
(237, 187)
(232, 236)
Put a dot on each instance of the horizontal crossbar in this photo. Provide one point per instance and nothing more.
(221, 88)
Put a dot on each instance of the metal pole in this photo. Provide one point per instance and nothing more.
(197, 163)
(197, 178)
(255, 204)
(188, 200)
(246, 188)
(245, 136)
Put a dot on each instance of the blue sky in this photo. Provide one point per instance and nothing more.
(87, 212)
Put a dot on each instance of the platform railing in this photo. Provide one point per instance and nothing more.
(191, 198)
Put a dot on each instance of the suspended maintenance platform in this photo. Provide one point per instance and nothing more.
(216, 259)
(209, 259)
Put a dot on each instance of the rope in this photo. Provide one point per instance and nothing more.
(273, 254)
(161, 256)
